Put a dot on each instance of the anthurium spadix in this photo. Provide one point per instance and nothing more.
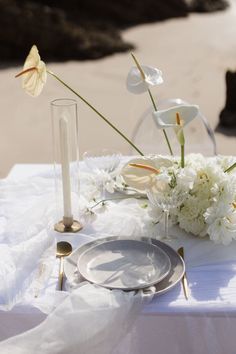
(179, 129)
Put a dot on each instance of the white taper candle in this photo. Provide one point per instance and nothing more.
(65, 167)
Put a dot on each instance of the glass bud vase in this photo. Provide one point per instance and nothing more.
(66, 164)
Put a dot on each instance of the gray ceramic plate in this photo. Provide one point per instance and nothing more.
(172, 279)
(124, 264)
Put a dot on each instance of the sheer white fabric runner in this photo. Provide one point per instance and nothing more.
(89, 320)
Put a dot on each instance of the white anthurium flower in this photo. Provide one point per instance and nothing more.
(137, 83)
(140, 173)
(167, 118)
(34, 74)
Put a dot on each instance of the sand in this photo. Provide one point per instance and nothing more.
(193, 54)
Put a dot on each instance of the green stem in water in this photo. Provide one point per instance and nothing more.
(96, 111)
(152, 99)
(229, 169)
(182, 156)
(110, 199)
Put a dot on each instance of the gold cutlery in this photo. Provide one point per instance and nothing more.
(184, 278)
(63, 249)
(39, 279)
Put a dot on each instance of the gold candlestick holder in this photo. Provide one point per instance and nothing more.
(68, 225)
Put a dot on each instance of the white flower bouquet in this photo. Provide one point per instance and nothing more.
(205, 187)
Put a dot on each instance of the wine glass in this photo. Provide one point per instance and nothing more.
(102, 161)
(166, 197)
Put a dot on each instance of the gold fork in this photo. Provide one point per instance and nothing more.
(184, 278)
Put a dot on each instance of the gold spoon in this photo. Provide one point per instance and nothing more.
(63, 249)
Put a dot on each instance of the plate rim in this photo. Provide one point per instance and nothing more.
(138, 287)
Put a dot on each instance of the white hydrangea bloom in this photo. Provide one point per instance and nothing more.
(185, 178)
(190, 217)
(210, 202)
(223, 230)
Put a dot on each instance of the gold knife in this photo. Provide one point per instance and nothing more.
(184, 278)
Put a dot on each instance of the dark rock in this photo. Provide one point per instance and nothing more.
(53, 32)
(84, 29)
(119, 14)
(228, 114)
(208, 5)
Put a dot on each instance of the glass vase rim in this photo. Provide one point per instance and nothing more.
(58, 102)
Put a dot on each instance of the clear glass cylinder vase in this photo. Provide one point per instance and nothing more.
(66, 164)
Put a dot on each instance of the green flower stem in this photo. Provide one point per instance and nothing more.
(152, 99)
(164, 132)
(96, 111)
(182, 156)
(229, 169)
(111, 199)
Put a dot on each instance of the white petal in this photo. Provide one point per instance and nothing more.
(153, 75)
(140, 178)
(32, 59)
(33, 81)
(167, 118)
(136, 84)
(160, 161)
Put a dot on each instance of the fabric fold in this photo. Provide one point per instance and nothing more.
(90, 320)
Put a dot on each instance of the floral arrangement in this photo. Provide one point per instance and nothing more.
(208, 188)
(201, 192)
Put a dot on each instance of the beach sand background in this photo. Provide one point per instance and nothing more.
(192, 52)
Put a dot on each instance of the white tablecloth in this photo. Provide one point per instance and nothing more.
(205, 324)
